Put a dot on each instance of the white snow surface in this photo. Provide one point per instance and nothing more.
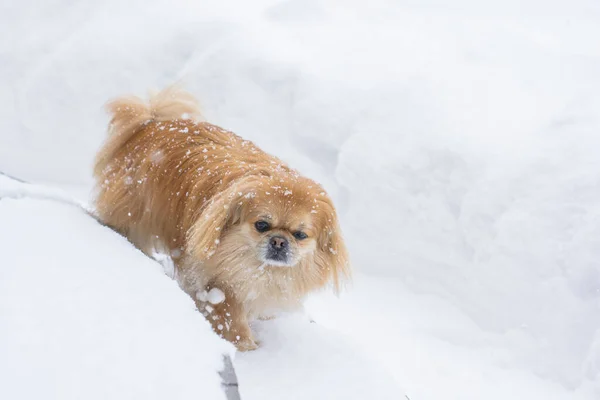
(215, 296)
(459, 140)
(298, 360)
(85, 315)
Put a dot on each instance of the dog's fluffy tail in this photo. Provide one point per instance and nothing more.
(130, 113)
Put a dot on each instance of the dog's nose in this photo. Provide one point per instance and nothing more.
(278, 242)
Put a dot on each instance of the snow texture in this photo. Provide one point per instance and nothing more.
(215, 296)
(458, 139)
(299, 360)
(84, 315)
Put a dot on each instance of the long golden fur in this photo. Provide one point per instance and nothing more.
(168, 181)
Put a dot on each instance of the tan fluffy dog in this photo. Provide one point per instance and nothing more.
(249, 236)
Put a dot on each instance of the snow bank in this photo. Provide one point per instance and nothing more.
(84, 315)
(433, 349)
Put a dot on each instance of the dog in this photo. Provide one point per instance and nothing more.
(249, 235)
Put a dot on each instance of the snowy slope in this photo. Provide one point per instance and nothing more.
(83, 314)
(459, 141)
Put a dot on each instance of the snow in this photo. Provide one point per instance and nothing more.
(83, 314)
(215, 296)
(10, 187)
(459, 141)
(291, 356)
(433, 349)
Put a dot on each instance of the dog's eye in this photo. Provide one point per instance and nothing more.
(262, 226)
(300, 235)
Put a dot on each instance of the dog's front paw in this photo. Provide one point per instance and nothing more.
(245, 344)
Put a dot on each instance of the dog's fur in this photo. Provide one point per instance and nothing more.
(167, 180)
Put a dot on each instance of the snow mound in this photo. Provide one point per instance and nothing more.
(84, 315)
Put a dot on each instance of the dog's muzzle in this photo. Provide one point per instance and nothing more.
(278, 250)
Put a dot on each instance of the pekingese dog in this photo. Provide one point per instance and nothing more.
(249, 235)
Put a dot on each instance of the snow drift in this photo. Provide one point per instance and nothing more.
(83, 314)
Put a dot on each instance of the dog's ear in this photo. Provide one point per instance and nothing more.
(332, 257)
(224, 209)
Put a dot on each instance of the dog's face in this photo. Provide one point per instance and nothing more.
(261, 222)
(277, 235)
